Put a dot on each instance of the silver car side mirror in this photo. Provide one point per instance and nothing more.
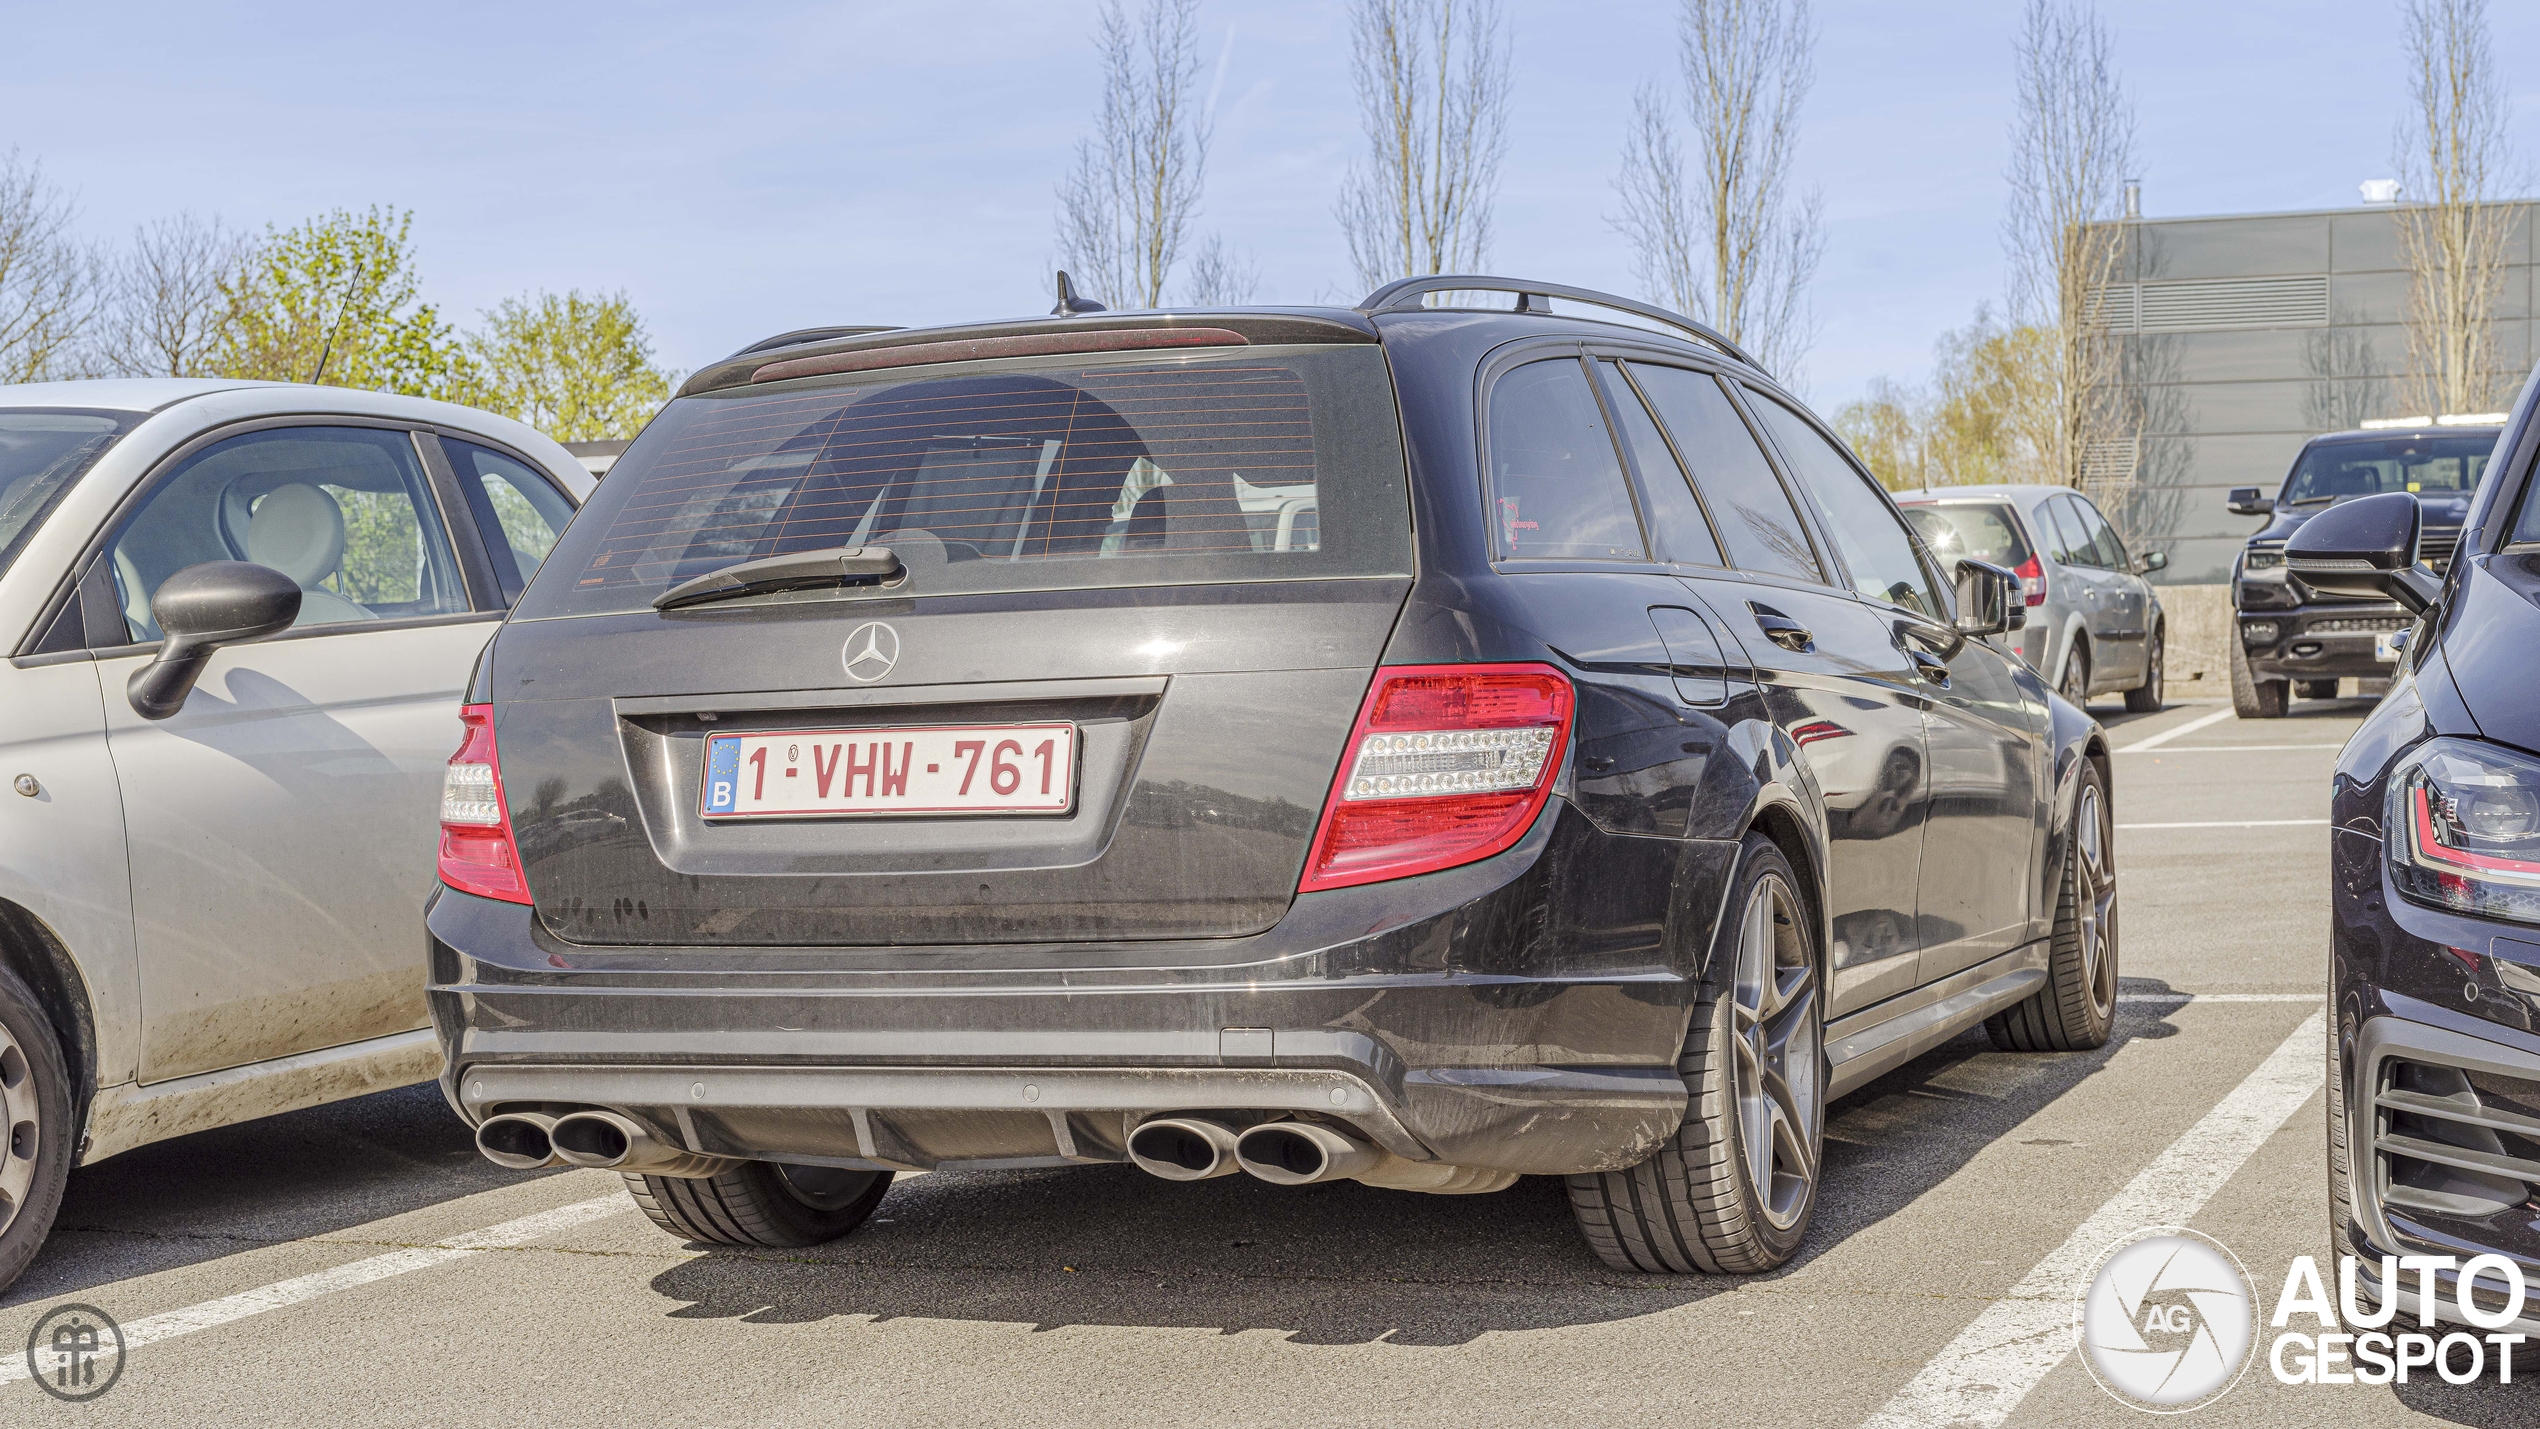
(202, 608)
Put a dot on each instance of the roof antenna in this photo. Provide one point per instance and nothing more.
(1070, 302)
(344, 311)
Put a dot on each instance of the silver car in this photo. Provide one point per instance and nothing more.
(2094, 623)
(214, 861)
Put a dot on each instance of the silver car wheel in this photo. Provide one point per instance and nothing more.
(24, 1124)
(1779, 1102)
(2095, 899)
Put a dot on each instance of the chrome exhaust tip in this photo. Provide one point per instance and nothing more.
(1184, 1148)
(518, 1141)
(1300, 1153)
(606, 1141)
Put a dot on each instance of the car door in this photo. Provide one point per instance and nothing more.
(282, 823)
(2102, 612)
(1831, 675)
(2126, 598)
(1981, 728)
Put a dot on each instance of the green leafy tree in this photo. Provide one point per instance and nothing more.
(339, 289)
(578, 368)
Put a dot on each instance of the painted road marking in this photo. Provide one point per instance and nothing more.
(301, 1289)
(1993, 1364)
(2219, 996)
(2235, 824)
(2165, 736)
(2233, 747)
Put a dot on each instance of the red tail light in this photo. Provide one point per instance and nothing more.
(477, 852)
(1448, 764)
(2032, 579)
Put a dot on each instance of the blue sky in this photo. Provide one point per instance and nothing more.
(740, 169)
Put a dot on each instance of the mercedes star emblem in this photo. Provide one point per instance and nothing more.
(870, 652)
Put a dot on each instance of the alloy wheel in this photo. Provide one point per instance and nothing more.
(2095, 898)
(2159, 658)
(1779, 1100)
(2076, 679)
(22, 1121)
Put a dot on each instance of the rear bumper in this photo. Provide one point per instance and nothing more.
(1520, 1014)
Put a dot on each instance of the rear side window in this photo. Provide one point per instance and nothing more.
(511, 502)
(1557, 487)
(1970, 531)
(1876, 547)
(1280, 463)
(1758, 525)
(1684, 533)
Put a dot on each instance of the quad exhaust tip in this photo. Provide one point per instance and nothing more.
(1184, 1148)
(519, 1141)
(1301, 1153)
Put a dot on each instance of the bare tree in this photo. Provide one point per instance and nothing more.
(166, 297)
(1218, 278)
(1432, 81)
(2070, 148)
(1731, 243)
(2453, 163)
(2345, 385)
(1124, 214)
(48, 281)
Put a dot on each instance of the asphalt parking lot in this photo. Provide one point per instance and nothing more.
(361, 1263)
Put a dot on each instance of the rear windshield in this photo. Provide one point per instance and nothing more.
(1271, 463)
(2330, 470)
(41, 454)
(1970, 531)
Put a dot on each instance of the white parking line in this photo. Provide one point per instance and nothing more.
(2165, 736)
(2234, 824)
(2236, 747)
(2219, 996)
(1993, 1364)
(301, 1289)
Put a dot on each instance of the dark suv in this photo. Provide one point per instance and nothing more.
(2434, 975)
(2298, 638)
(1419, 745)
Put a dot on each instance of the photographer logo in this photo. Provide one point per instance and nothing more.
(2167, 1321)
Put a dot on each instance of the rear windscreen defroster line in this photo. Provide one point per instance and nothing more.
(1269, 463)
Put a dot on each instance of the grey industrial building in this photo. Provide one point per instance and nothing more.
(2253, 333)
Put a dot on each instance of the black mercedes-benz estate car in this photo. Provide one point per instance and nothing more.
(1415, 744)
(2298, 637)
(2434, 1047)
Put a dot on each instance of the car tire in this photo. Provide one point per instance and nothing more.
(2316, 689)
(2146, 697)
(2251, 697)
(761, 1203)
(2076, 1008)
(35, 1158)
(2076, 686)
(1701, 1205)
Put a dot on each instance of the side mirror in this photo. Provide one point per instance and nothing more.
(2151, 561)
(2247, 501)
(2365, 547)
(1990, 601)
(203, 608)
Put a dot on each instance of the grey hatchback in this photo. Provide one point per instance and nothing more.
(2095, 624)
(1415, 745)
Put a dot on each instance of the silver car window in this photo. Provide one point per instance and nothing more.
(344, 511)
(41, 454)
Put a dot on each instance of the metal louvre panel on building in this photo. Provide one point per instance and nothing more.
(2226, 303)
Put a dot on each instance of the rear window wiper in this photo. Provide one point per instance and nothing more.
(795, 570)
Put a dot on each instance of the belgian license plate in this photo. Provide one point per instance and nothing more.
(2385, 646)
(935, 769)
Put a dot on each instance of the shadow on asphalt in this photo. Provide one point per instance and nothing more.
(1344, 1263)
(214, 1193)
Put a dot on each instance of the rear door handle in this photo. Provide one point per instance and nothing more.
(1781, 629)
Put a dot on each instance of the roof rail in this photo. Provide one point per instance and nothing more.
(1405, 293)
